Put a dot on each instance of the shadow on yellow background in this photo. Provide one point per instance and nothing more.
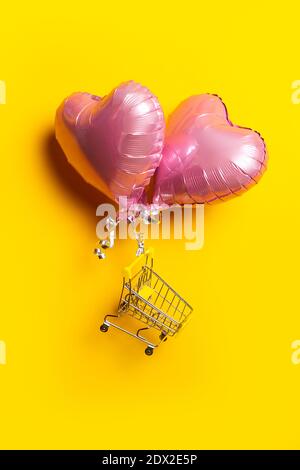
(228, 381)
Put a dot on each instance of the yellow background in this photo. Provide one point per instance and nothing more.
(228, 381)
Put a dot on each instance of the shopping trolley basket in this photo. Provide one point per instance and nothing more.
(149, 299)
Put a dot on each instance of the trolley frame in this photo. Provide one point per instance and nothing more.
(148, 298)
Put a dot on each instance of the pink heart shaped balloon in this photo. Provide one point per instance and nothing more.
(114, 142)
(206, 157)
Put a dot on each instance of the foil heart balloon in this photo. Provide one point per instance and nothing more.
(206, 157)
(114, 142)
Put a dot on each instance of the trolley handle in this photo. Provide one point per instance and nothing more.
(128, 271)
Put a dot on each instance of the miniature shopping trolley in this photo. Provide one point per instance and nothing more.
(150, 300)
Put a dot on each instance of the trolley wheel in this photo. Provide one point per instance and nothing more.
(124, 305)
(163, 337)
(104, 328)
(149, 351)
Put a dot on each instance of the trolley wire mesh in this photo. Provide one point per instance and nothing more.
(148, 298)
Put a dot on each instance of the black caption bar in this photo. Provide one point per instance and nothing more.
(96, 459)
